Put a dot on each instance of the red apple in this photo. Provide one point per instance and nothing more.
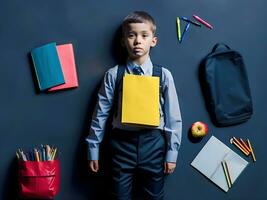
(199, 129)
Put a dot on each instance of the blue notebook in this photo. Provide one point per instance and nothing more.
(47, 66)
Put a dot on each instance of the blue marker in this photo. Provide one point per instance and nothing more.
(190, 21)
(185, 30)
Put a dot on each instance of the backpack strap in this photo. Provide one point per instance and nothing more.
(157, 71)
(120, 73)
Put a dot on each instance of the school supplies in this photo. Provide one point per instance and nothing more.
(178, 28)
(232, 141)
(39, 172)
(181, 36)
(209, 163)
(47, 66)
(55, 66)
(48, 152)
(244, 147)
(190, 21)
(54, 153)
(251, 150)
(140, 100)
(43, 153)
(225, 86)
(21, 155)
(227, 174)
(245, 144)
(38, 180)
(203, 22)
(184, 32)
(67, 61)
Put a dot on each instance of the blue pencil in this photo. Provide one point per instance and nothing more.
(185, 30)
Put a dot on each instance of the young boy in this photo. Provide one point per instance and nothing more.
(144, 152)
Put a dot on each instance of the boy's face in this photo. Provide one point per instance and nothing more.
(138, 39)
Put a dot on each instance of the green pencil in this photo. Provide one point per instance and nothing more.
(178, 29)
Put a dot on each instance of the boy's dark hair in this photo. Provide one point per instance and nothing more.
(138, 17)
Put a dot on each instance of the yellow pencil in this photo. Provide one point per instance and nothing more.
(17, 155)
(36, 155)
(228, 172)
(178, 28)
(253, 155)
(247, 152)
(245, 145)
(239, 147)
(54, 154)
(39, 155)
(226, 175)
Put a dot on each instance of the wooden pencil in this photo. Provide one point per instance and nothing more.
(252, 152)
(228, 172)
(226, 175)
(235, 140)
(245, 145)
(240, 148)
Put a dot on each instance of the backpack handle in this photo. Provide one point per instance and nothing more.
(216, 46)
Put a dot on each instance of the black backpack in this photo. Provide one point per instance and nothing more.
(225, 86)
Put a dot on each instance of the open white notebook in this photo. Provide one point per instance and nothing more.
(208, 162)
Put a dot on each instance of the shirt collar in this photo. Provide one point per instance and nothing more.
(146, 66)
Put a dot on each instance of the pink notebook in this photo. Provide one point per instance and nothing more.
(67, 61)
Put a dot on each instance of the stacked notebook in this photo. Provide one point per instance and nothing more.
(55, 67)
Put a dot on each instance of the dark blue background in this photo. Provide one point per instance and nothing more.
(29, 118)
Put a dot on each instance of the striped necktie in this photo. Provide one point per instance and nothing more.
(137, 70)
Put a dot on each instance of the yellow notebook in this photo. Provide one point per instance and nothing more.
(140, 100)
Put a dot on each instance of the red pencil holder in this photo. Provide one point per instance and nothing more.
(39, 179)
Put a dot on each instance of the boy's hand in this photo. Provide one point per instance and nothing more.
(169, 167)
(93, 165)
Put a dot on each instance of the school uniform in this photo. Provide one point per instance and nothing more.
(136, 150)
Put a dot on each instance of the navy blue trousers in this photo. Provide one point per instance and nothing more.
(137, 155)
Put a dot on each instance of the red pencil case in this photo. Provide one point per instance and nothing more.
(39, 179)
